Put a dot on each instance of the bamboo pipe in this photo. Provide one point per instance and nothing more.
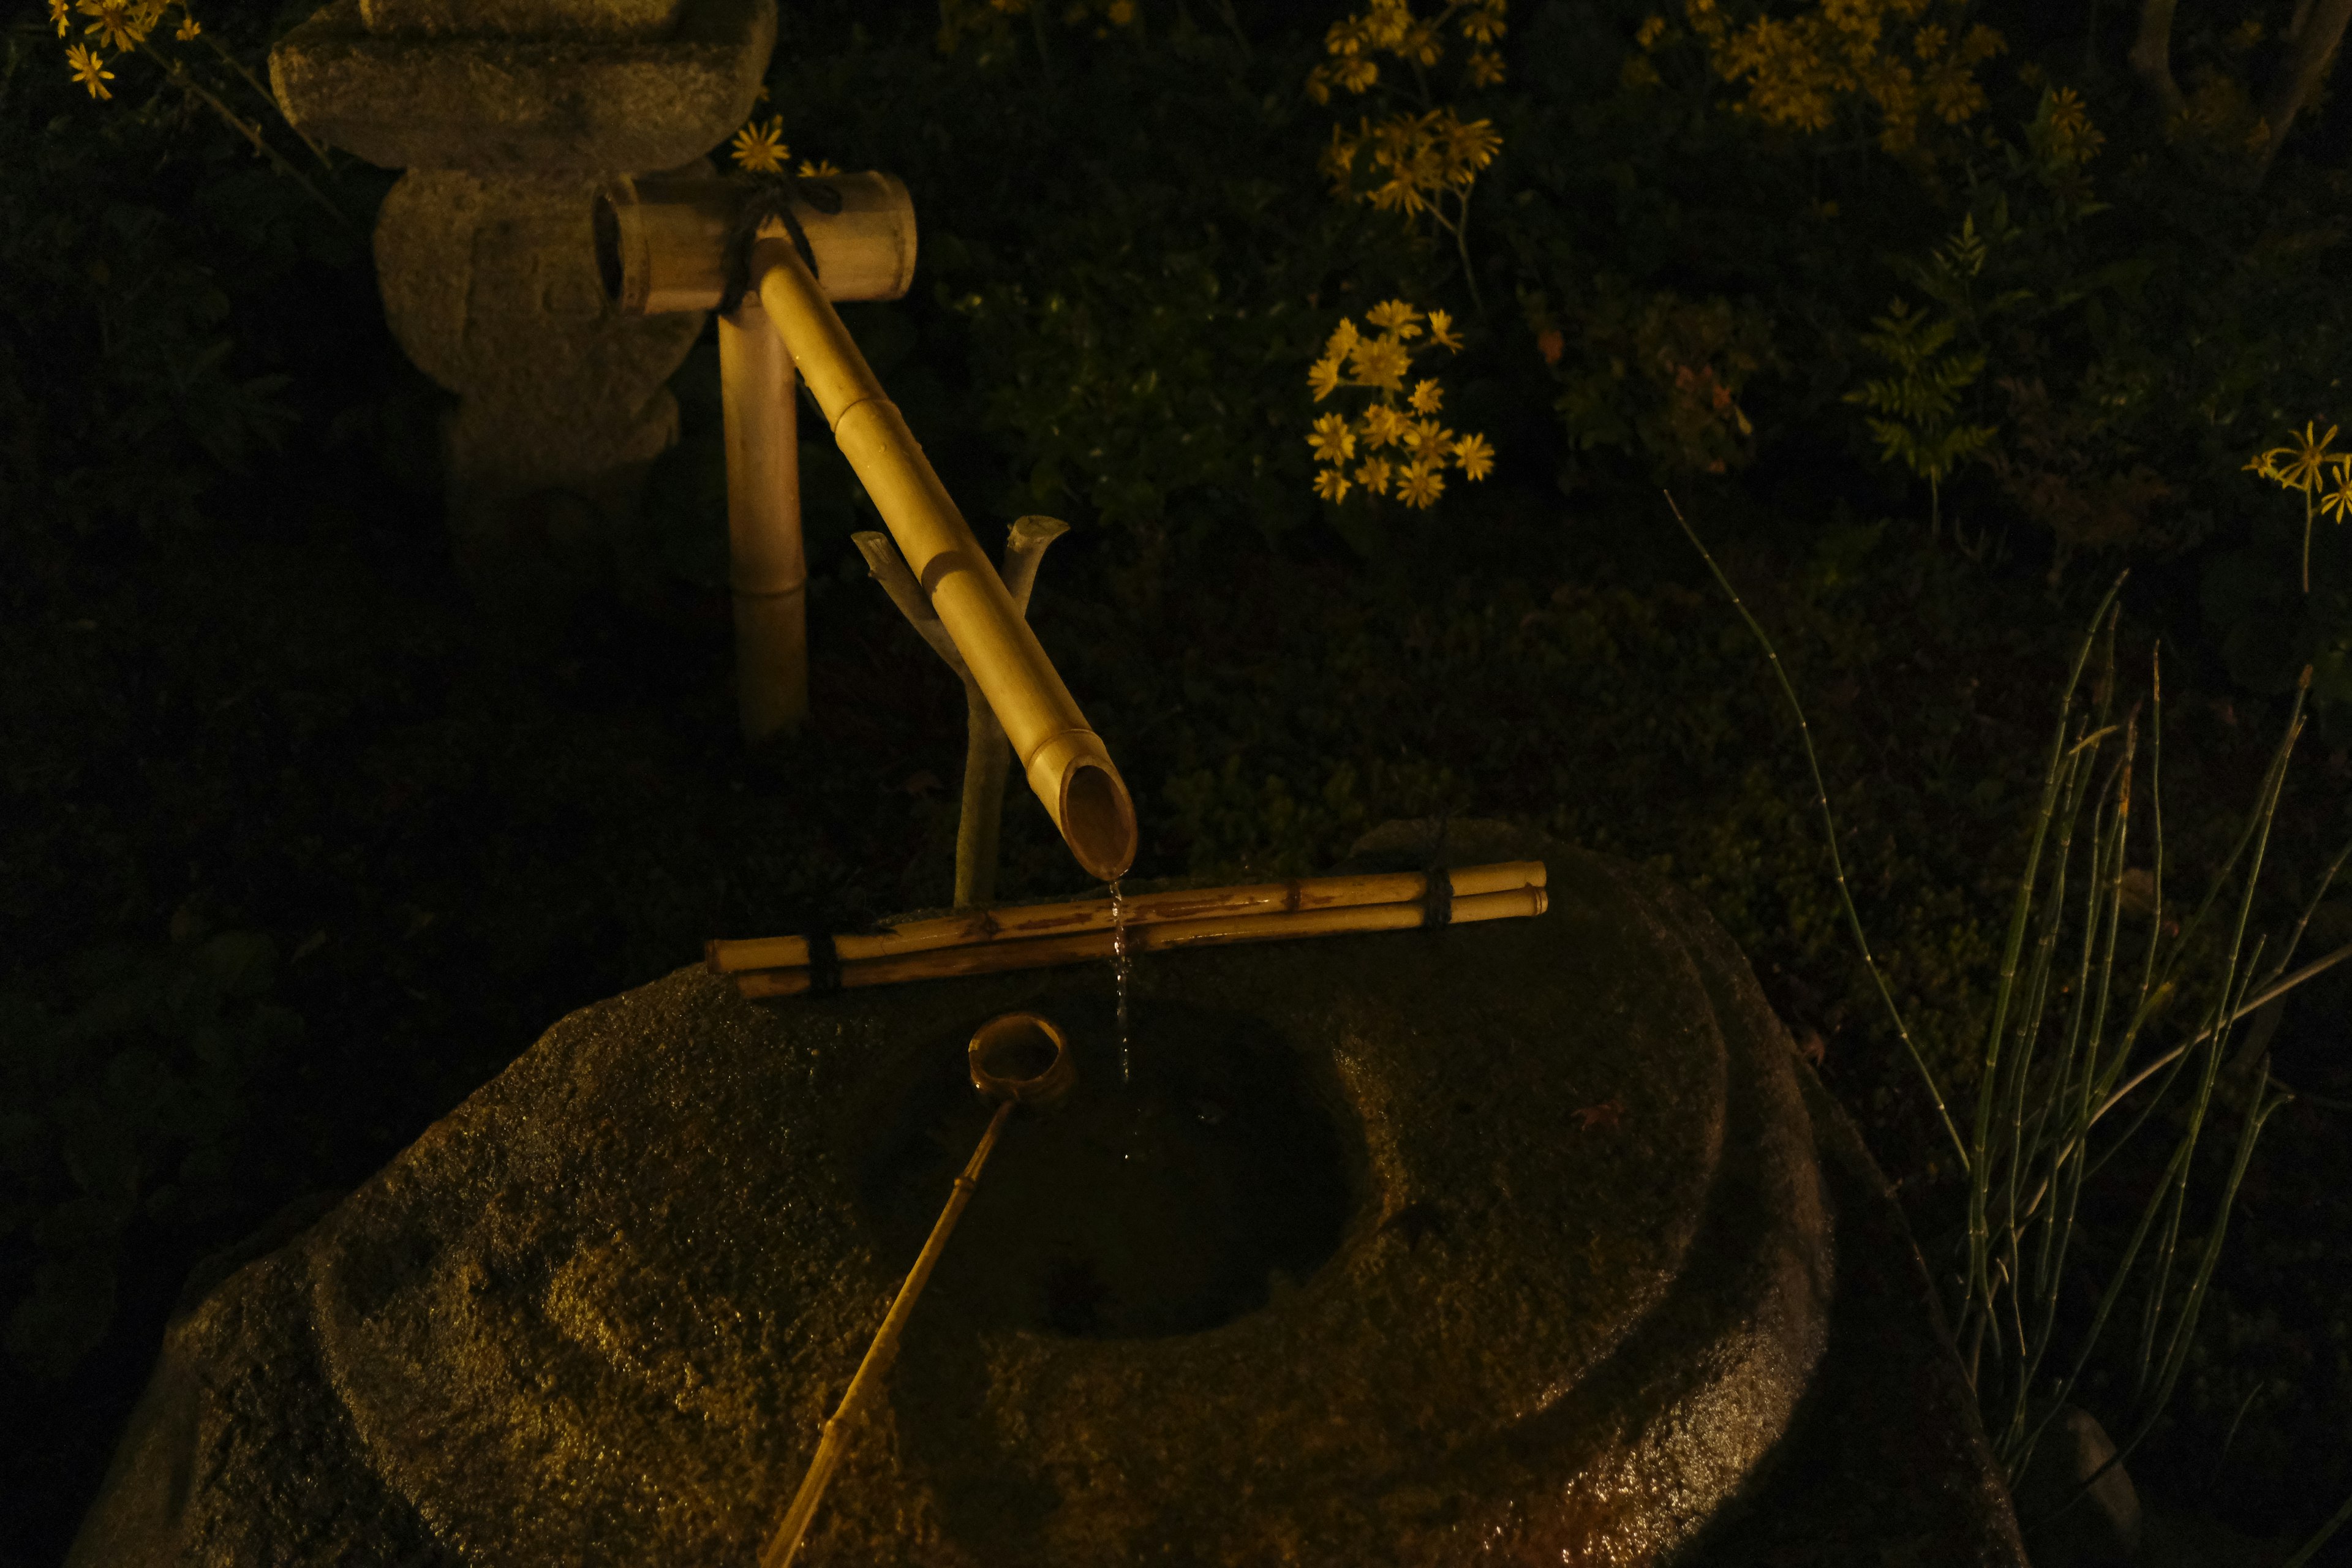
(985, 752)
(767, 572)
(1022, 922)
(661, 244)
(1067, 764)
(1079, 947)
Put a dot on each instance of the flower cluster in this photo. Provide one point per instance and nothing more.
(1416, 159)
(759, 149)
(125, 25)
(2306, 467)
(1420, 162)
(1390, 27)
(117, 25)
(1397, 445)
(1799, 70)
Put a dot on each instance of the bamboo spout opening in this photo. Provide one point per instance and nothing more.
(1098, 819)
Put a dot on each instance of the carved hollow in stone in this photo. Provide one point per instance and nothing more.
(1380, 1294)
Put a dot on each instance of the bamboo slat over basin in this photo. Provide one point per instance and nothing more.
(1504, 1243)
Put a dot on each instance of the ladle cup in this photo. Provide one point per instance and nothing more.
(1014, 1042)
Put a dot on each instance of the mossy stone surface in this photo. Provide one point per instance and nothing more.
(1569, 1276)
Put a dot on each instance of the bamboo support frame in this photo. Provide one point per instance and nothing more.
(986, 751)
(661, 247)
(767, 572)
(1066, 763)
(1022, 923)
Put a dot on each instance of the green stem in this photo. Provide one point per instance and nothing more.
(250, 132)
(317, 150)
(1837, 862)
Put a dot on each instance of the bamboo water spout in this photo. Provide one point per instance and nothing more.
(661, 245)
(1067, 764)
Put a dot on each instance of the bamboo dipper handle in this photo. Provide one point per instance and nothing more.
(879, 1357)
(1066, 762)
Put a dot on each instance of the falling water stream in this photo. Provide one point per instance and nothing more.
(1120, 966)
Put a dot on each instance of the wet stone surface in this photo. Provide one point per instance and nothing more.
(1509, 1240)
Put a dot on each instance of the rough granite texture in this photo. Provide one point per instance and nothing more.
(597, 1313)
(554, 99)
(568, 18)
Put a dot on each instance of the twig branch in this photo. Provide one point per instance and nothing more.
(2151, 55)
(2314, 39)
(180, 79)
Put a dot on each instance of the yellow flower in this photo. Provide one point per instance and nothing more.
(1373, 475)
(1473, 456)
(188, 28)
(90, 70)
(1396, 316)
(1333, 441)
(1421, 485)
(2338, 502)
(1650, 32)
(1325, 376)
(115, 26)
(762, 148)
(2305, 460)
(1441, 331)
(1381, 362)
(1428, 440)
(1485, 68)
(1121, 13)
(1382, 426)
(817, 169)
(61, 14)
(1427, 396)
(1332, 484)
(1343, 338)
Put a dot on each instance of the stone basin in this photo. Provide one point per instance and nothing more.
(1512, 1242)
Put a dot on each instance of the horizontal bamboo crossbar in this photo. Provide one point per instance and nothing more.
(991, 957)
(661, 243)
(1019, 923)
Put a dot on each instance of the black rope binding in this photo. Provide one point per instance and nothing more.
(824, 963)
(1437, 899)
(769, 197)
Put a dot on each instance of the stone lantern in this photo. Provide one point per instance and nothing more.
(507, 116)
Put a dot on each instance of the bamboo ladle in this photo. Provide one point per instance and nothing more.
(996, 1041)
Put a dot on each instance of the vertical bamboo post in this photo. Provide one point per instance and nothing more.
(767, 572)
